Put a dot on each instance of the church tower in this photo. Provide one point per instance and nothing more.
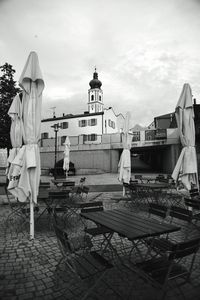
(95, 95)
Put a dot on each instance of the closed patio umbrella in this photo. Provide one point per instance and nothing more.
(124, 166)
(16, 131)
(66, 155)
(186, 166)
(26, 173)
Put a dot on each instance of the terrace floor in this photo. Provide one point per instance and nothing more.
(27, 268)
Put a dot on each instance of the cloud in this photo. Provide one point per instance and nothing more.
(144, 51)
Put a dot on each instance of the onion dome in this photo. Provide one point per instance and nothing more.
(95, 83)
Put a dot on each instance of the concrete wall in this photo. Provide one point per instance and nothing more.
(104, 153)
(104, 160)
(107, 160)
(169, 158)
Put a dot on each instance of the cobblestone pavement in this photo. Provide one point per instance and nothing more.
(28, 268)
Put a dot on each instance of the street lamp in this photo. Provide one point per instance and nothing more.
(56, 128)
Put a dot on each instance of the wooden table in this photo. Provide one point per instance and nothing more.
(151, 185)
(129, 224)
(63, 181)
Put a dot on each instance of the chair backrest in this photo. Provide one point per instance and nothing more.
(70, 245)
(85, 190)
(161, 178)
(127, 185)
(68, 183)
(158, 210)
(44, 185)
(43, 193)
(180, 213)
(133, 182)
(185, 248)
(131, 187)
(62, 238)
(59, 194)
(194, 193)
(92, 206)
(80, 192)
(192, 203)
(138, 177)
(82, 179)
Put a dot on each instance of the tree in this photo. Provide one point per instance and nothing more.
(8, 91)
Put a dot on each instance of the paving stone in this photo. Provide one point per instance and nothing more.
(27, 268)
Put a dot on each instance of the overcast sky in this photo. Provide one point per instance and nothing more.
(144, 51)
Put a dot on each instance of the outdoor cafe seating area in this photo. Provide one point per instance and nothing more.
(149, 232)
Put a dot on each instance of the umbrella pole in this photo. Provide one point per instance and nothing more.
(31, 220)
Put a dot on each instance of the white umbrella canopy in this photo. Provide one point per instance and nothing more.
(66, 155)
(124, 166)
(186, 166)
(27, 162)
(16, 131)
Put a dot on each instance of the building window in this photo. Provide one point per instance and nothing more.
(150, 135)
(85, 138)
(82, 123)
(89, 138)
(64, 125)
(44, 135)
(99, 98)
(111, 124)
(92, 97)
(136, 136)
(92, 137)
(92, 122)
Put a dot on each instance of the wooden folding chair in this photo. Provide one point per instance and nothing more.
(160, 178)
(158, 210)
(43, 201)
(170, 267)
(76, 198)
(102, 233)
(83, 264)
(193, 204)
(180, 217)
(131, 198)
(19, 211)
(139, 178)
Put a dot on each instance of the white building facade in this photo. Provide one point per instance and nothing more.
(91, 124)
